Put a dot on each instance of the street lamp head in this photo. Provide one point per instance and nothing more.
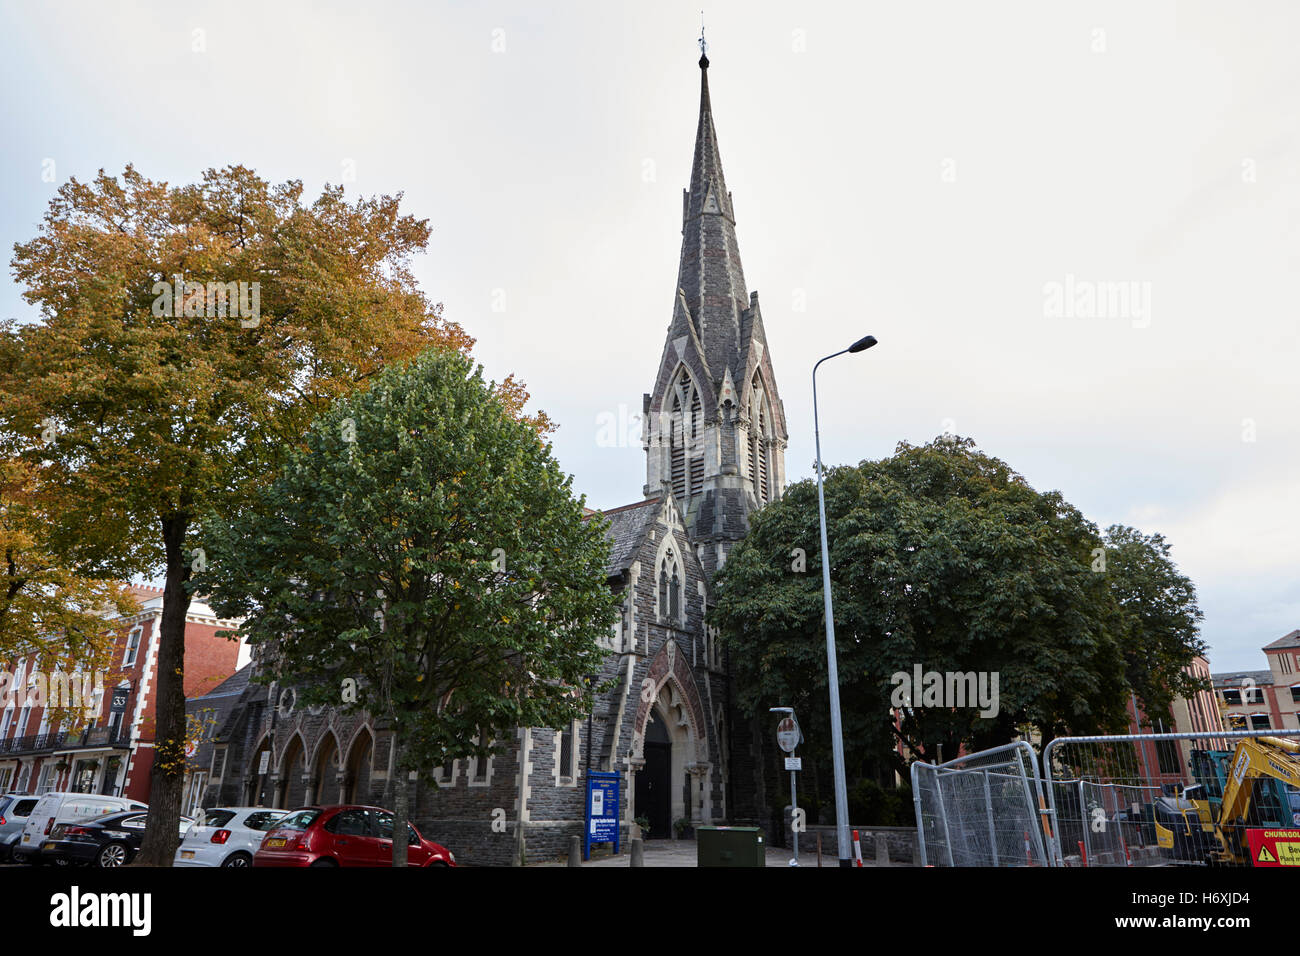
(863, 344)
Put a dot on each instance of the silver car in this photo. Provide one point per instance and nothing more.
(226, 836)
(14, 810)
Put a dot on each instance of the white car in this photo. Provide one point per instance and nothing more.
(226, 836)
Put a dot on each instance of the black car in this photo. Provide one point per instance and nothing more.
(110, 840)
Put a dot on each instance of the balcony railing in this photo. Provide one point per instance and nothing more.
(66, 740)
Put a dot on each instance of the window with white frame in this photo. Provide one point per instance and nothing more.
(114, 725)
(566, 755)
(218, 762)
(481, 767)
(132, 645)
(194, 796)
(446, 774)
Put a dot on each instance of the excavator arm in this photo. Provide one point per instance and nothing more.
(1257, 757)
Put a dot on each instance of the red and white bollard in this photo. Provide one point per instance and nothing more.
(857, 850)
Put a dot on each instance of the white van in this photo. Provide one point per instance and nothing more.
(55, 808)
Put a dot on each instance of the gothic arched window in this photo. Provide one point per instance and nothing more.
(670, 587)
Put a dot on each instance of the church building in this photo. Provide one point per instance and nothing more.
(715, 439)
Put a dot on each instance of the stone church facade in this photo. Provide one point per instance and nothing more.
(715, 438)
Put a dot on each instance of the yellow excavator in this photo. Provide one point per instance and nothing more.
(1251, 786)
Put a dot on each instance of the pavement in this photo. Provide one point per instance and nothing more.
(683, 853)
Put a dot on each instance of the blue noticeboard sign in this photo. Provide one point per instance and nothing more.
(601, 816)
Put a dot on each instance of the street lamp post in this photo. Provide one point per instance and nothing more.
(832, 671)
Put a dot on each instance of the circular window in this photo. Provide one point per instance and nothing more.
(285, 704)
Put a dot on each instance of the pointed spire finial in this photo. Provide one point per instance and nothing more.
(704, 46)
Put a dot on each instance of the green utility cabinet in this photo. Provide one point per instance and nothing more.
(730, 846)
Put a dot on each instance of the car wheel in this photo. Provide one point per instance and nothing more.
(238, 859)
(438, 865)
(323, 863)
(114, 854)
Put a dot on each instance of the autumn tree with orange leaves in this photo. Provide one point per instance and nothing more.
(187, 336)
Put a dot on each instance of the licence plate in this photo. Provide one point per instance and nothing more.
(187, 854)
(270, 843)
(27, 837)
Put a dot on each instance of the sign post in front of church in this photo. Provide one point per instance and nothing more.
(788, 737)
(601, 816)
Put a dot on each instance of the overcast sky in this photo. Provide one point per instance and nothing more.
(954, 178)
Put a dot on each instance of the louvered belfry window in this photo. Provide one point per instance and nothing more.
(678, 440)
(759, 448)
(696, 440)
(686, 433)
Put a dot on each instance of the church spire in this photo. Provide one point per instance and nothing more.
(715, 433)
(710, 273)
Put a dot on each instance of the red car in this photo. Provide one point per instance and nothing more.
(344, 836)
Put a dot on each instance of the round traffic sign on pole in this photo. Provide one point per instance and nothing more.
(787, 734)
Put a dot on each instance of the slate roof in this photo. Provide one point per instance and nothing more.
(221, 701)
(1289, 640)
(627, 529)
(1236, 677)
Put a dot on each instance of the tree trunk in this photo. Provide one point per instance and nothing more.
(167, 777)
(401, 810)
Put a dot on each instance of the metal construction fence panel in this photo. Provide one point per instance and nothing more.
(981, 810)
(1227, 798)
(1230, 798)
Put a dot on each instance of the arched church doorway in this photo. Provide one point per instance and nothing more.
(326, 776)
(653, 794)
(356, 782)
(293, 789)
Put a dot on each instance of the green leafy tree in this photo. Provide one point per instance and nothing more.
(944, 557)
(1160, 633)
(187, 336)
(422, 559)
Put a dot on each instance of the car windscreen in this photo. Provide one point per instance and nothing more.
(217, 818)
(299, 820)
(22, 808)
(263, 820)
